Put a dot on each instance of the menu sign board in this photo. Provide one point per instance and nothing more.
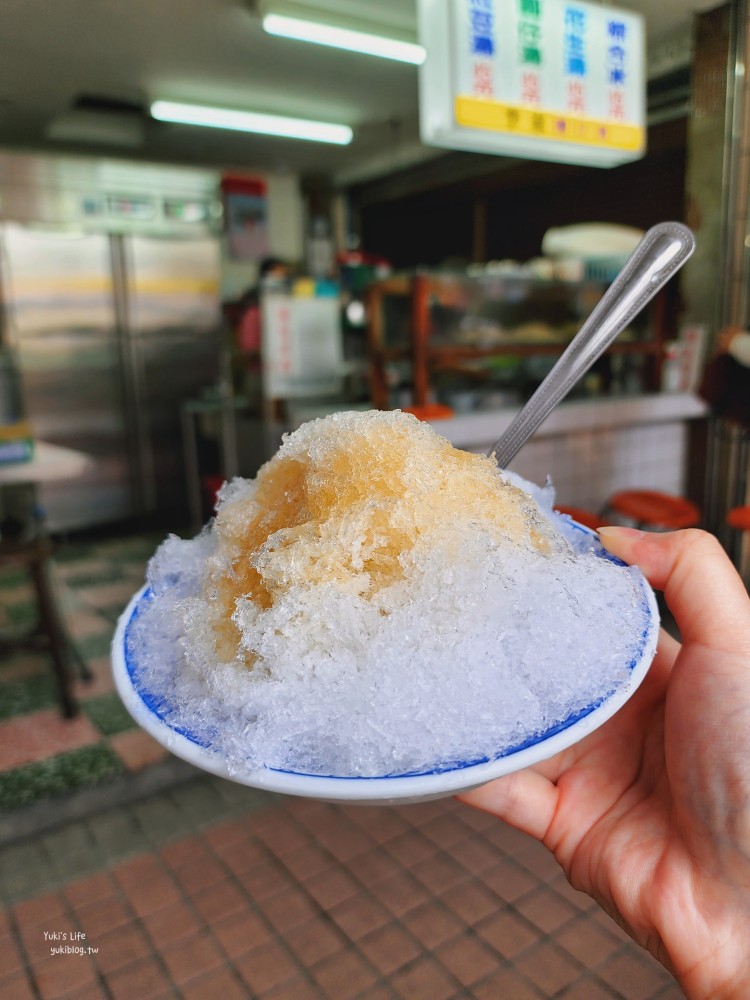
(541, 79)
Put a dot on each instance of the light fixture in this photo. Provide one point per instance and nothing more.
(251, 121)
(101, 119)
(364, 42)
(91, 126)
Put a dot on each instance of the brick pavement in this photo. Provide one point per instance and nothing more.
(212, 889)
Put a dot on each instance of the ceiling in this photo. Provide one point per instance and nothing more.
(214, 52)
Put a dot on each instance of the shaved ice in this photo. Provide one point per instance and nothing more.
(378, 602)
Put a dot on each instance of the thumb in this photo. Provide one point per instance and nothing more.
(701, 586)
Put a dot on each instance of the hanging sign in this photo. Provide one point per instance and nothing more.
(539, 79)
(246, 217)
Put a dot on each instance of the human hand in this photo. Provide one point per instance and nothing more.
(650, 814)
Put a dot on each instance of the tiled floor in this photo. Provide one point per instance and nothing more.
(264, 897)
(40, 753)
(210, 889)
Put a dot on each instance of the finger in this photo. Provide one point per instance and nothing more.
(666, 652)
(655, 681)
(667, 648)
(526, 800)
(701, 586)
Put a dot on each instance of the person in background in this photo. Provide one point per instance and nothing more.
(735, 342)
(271, 271)
(725, 384)
(650, 814)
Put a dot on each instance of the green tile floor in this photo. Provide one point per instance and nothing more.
(58, 775)
(95, 580)
(47, 859)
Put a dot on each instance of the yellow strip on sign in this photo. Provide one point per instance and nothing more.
(494, 116)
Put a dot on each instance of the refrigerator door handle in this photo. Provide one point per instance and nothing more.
(139, 438)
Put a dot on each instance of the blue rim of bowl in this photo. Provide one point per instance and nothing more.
(156, 708)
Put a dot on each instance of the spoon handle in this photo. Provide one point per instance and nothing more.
(662, 252)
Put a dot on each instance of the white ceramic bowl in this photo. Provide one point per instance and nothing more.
(398, 788)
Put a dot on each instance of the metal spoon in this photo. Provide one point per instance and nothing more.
(660, 254)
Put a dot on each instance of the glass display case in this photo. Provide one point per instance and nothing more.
(487, 340)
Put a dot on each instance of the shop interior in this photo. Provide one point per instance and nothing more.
(176, 299)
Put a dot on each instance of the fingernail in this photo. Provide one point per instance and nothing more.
(615, 531)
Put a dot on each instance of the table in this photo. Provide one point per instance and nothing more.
(33, 550)
(50, 462)
(224, 408)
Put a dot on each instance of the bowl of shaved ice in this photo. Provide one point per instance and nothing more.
(378, 616)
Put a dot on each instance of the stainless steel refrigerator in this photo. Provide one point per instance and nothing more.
(113, 331)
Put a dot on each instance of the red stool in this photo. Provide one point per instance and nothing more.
(585, 517)
(651, 509)
(739, 518)
(431, 411)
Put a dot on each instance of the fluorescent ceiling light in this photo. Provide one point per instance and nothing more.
(251, 121)
(343, 38)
